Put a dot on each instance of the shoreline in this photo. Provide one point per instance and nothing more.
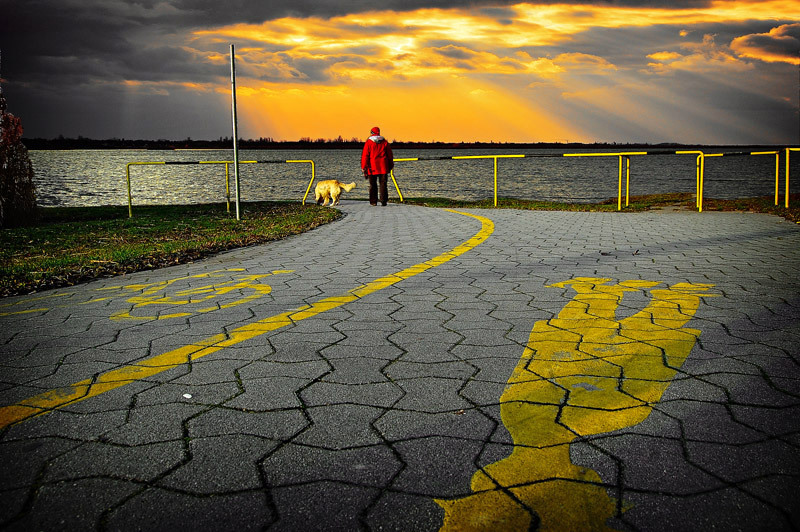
(355, 144)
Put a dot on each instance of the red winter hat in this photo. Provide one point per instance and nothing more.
(375, 130)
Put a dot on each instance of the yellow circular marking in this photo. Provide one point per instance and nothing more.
(156, 294)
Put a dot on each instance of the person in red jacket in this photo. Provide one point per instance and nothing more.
(377, 161)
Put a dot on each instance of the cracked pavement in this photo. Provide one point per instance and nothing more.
(307, 384)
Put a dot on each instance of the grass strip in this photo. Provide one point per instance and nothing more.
(69, 245)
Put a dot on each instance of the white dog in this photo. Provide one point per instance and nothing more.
(331, 189)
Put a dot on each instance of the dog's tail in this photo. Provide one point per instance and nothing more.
(349, 186)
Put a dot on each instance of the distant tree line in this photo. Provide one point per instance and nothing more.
(267, 143)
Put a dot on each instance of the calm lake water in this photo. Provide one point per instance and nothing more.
(97, 177)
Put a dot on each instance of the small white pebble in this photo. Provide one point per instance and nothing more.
(187, 395)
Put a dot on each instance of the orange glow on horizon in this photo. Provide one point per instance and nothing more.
(484, 113)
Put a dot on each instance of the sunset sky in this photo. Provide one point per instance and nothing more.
(690, 71)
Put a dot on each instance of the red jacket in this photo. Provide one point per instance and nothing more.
(377, 157)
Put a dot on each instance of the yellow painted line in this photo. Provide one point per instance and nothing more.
(145, 295)
(45, 309)
(582, 373)
(110, 380)
(29, 299)
(26, 301)
(29, 311)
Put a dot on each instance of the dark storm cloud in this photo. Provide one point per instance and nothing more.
(32, 31)
(781, 43)
(115, 33)
(501, 15)
(247, 11)
(455, 52)
(204, 13)
(628, 47)
(315, 69)
(63, 60)
(110, 40)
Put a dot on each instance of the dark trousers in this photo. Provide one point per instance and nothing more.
(375, 181)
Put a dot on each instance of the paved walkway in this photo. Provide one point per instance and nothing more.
(415, 369)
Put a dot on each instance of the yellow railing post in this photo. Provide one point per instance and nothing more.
(391, 173)
(696, 181)
(777, 155)
(703, 173)
(628, 186)
(619, 186)
(701, 181)
(313, 175)
(495, 157)
(227, 187)
(400, 194)
(130, 201)
(699, 170)
(787, 174)
(787, 179)
(227, 179)
(620, 156)
(627, 160)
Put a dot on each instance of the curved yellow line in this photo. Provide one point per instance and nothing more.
(110, 380)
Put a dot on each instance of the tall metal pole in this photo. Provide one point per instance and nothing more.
(235, 134)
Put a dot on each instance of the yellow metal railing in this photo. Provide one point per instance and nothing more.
(391, 173)
(227, 181)
(625, 164)
(308, 189)
(700, 168)
(227, 175)
(777, 155)
(787, 174)
(128, 176)
(623, 157)
(701, 156)
(700, 173)
(313, 173)
(495, 157)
